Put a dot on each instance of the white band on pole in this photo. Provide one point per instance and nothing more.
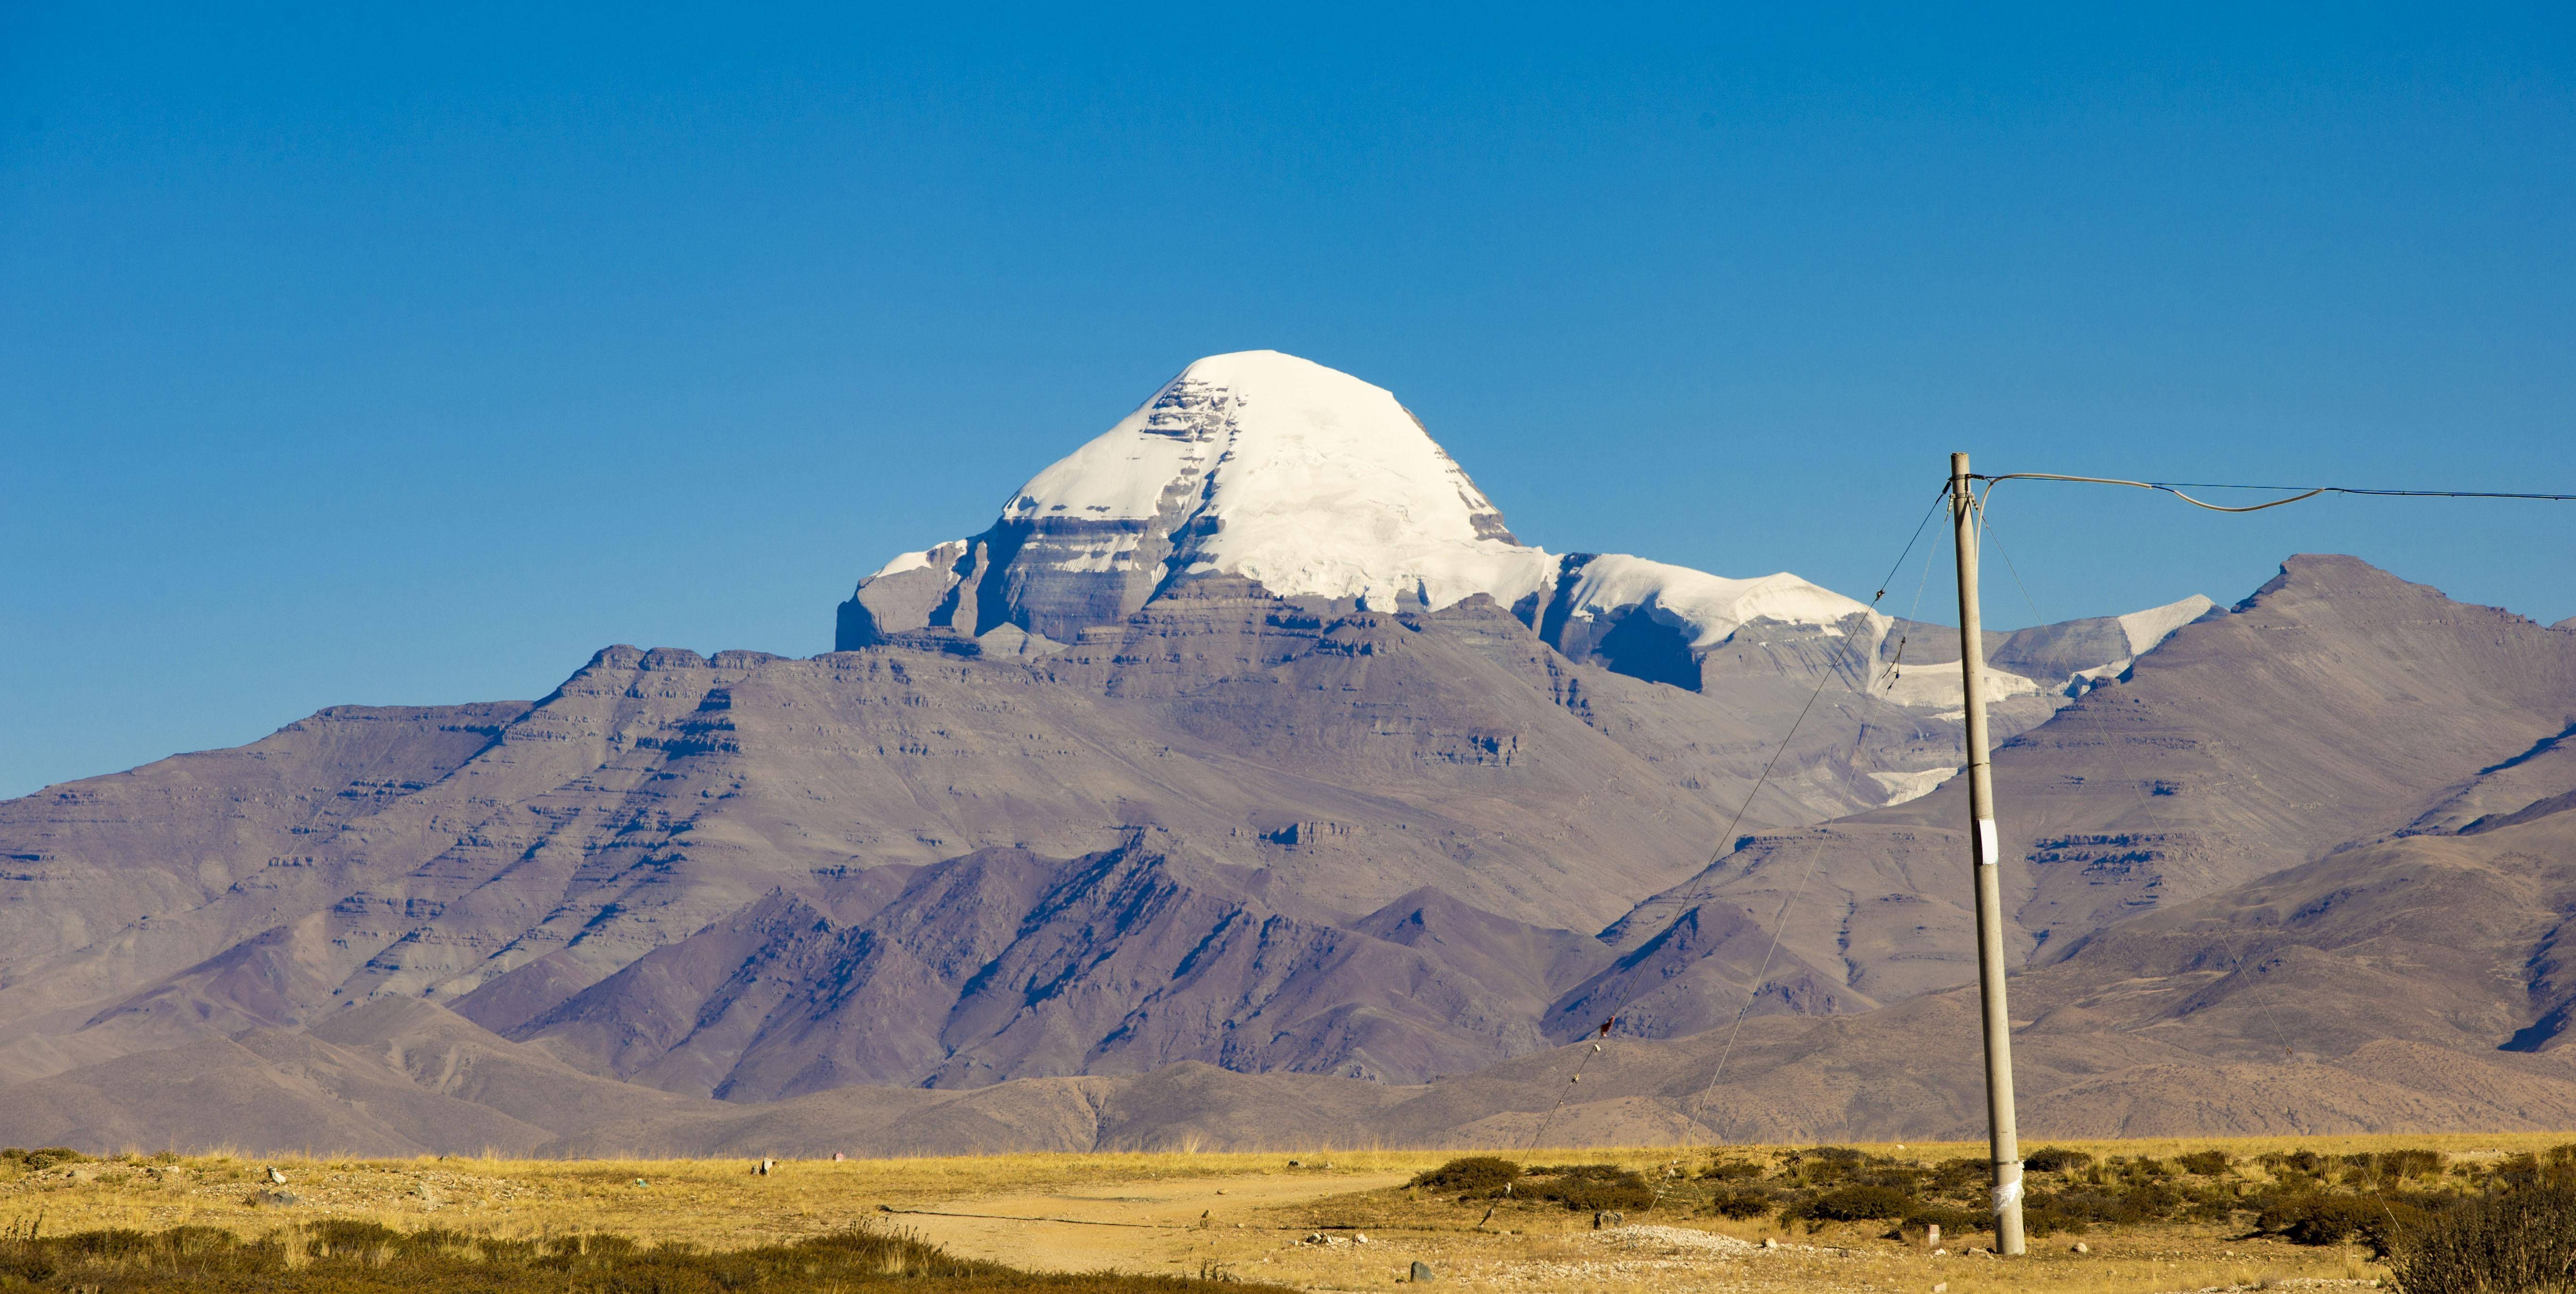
(1987, 849)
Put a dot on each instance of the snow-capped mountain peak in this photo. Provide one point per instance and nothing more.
(1317, 485)
(1265, 465)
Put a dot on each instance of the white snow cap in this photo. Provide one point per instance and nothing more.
(1318, 484)
(1710, 608)
(2155, 624)
(1309, 480)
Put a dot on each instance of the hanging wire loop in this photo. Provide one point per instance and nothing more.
(2175, 488)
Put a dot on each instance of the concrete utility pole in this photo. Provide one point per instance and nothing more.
(2003, 1140)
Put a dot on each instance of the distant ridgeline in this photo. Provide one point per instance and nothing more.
(1248, 782)
(1319, 486)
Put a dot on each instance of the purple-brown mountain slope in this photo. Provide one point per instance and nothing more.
(1001, 963)
(1439, 754)
(1351, 757)
(2337, 703)
(2407, 973)
(2414, 983)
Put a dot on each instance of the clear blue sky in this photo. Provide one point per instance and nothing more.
(409, 354)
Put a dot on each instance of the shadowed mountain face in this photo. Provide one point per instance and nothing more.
(1002, 965)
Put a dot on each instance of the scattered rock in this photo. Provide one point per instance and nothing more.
(1942, 1288)
(1359, 1238)
(1769, 1243)
(641, 1182)
(1607, 1218)
(765, 1166)
(275, 1198)
(1673, 1241)
(276, 1178)
(1422, 1272)
(2079, 1247)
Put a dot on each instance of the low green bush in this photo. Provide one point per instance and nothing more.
(1860, 1204)
(16, 1160)
(2521, 1238)
(1951, 1219)
(2336, 1219)
(347, 1257)
(1741, 1203)
(1472, 1174)
(1591, 1187)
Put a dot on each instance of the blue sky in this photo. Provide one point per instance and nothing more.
(365, 354)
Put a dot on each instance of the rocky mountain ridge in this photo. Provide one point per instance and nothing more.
(1317, 485)
(1250, 758)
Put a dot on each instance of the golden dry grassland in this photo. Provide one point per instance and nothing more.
(1252, 1215)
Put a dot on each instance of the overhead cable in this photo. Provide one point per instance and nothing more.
(2176, 488)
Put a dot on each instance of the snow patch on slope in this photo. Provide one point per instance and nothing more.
(1940, 687)
(1901, 787)
(2155, 624)
(1710, 608)
(907, 562)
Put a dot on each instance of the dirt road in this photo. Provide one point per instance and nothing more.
(1160, 1226)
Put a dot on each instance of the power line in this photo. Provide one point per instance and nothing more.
(2304, 492)
(1693, 1120)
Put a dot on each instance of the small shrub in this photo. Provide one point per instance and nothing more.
(2203, 1163)
(2053, 1159)
(1957, 1176)
(2046, 1222)
(1473, 1173)
(327, 1257)
(1741, 1203)
(1593, 1187)
(2335, 1219)
(2522, 1239)
(1951, 1219)
(1730, 1170)
(1859, 1204)
(32, 1161)
(1822, 1165)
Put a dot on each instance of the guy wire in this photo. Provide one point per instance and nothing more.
(1779, 919)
